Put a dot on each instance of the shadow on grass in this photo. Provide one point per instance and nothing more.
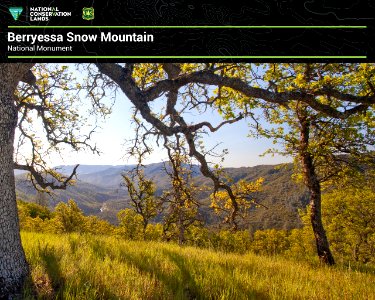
(356, 267)
(83, 288)
(184, 285)
(29, 289)
(194, 291)
(52, 266)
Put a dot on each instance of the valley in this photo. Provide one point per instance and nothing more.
(99, 191)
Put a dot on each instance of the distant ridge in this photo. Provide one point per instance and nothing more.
(98, 191)
(87, 169)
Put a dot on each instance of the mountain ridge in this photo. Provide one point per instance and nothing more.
(98, 191)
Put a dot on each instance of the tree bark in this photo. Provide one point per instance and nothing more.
(313, 184)
(13, 265)
(181, 228)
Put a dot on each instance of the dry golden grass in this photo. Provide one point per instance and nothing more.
(89, 267)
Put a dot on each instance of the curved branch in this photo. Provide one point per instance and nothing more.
(137, 96)
(42, 182)
(170, 86)
(212, 128)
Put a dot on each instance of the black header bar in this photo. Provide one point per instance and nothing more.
(187, 30)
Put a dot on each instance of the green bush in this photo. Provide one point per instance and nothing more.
(349, 217)
(270, 242)
(130, 225)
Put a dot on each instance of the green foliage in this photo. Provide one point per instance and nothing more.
(130, 224)
(97, 226)
(349, 219)
(142, 195)
(68, 217)
(33, 217)
(33, 210)
(229, 241)
(199, 236)
(302, 243)
(33, 224)
(243, 191)
(349, 215)
(154, 232)
(270, 242)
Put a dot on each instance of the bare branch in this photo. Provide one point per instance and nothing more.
(41, 180)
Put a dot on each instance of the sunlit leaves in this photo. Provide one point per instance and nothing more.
(328, 137)
(146, 74)
(244, 192)
(349, 214)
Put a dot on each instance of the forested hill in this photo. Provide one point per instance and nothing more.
(98, 191)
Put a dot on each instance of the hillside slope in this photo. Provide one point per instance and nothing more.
(98, 191)
(80, 266)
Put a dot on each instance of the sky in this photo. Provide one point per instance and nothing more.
(111, 137)
(117, 128)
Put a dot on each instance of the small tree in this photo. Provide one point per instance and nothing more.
(270, 241)
(244, 193)
(349, 215)
(181, 199)
(130, 224)
(69, 217)
(97, 226)
(32, 216)
(142, 195)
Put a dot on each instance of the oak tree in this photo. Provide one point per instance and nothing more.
(33, 98)
(141, 191)
(182, 87)
(324, 144)
(180, 200)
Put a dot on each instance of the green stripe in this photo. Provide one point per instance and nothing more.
(203, 27)
(184, 57)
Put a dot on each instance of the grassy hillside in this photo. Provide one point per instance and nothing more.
(86, 267)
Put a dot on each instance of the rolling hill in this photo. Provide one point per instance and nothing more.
(98, 191)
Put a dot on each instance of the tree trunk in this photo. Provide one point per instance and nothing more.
(181, 229)
(145, 224)
(322, 245)
(313, 184)
(13, 265)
